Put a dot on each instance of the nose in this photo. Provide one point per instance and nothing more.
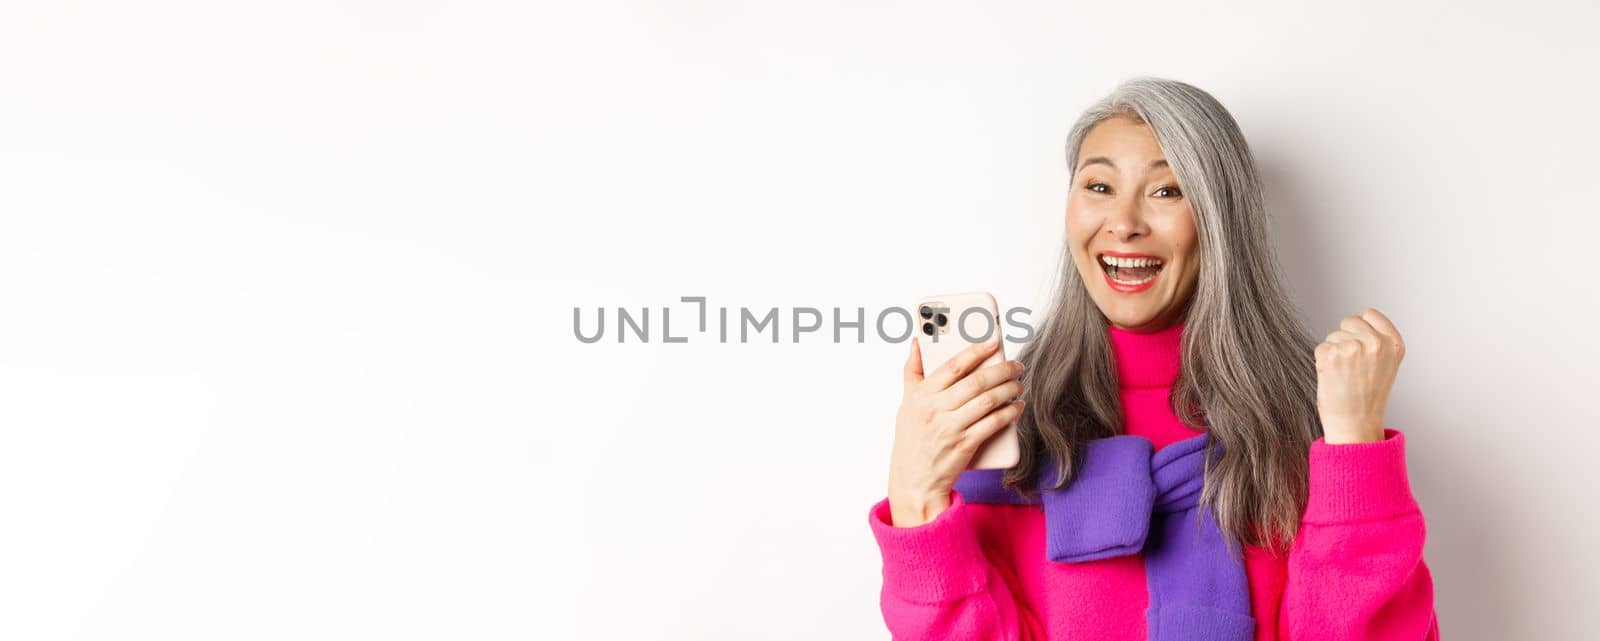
(1126, 221)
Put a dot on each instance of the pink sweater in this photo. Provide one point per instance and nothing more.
(1355, 571)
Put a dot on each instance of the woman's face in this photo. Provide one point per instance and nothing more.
(1125, 202)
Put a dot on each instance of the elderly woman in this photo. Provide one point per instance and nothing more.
(1195, 466)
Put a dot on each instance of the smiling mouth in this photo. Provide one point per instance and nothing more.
(1131, 271)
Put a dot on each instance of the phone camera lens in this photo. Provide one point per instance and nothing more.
(941, 320)
(927, 328)
(927, 312)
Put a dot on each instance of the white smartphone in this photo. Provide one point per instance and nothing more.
(949, 323)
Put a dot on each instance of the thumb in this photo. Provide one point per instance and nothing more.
(913, 369)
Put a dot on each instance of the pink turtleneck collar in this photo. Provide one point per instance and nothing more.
(1147, 360)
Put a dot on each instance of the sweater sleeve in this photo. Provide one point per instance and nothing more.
(937, 584)
(1355, 568)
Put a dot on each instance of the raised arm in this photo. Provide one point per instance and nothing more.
(1355, 570)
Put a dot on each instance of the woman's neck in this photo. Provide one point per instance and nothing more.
(1151, 359)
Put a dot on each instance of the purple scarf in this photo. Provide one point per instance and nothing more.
(1129, 498)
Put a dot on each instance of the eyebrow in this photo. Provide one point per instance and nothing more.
(1102, 160)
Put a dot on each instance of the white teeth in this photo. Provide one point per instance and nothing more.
(1130, 262)
(1116, 265)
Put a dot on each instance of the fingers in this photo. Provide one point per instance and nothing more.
(977, 383)
(912, 372)
(1369, 333)
(963, 362)
(1361, 331)
(1384, 327)
(988, 401)
(992, 423)
(1371, 329)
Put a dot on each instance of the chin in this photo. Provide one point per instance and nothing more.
(1134, 318)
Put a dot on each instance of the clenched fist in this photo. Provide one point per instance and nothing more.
(1356, 367)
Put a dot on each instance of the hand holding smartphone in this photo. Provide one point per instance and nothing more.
(950, 323)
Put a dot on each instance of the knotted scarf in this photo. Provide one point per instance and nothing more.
(1128, 498)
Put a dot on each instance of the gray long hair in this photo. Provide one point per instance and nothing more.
(1248, 362)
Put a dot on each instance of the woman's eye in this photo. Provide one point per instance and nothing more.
(1174, 191)
(1092, 187)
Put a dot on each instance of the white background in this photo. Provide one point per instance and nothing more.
(286, 292)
